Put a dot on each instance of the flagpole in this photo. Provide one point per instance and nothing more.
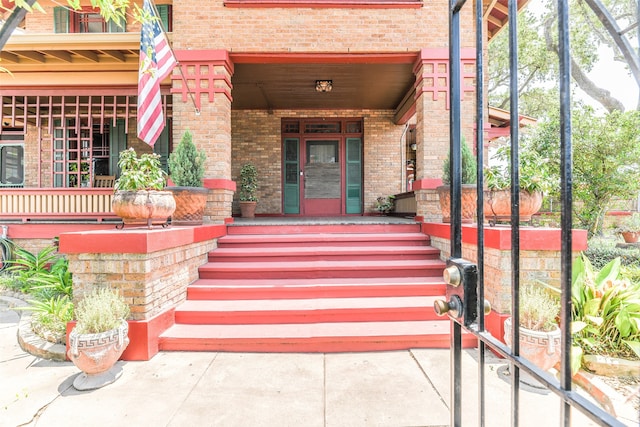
(184, 79)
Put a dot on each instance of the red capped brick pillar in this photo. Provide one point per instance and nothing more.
(208, 75)
(432, 123)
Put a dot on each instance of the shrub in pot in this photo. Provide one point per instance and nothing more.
(539, 332)
(469, 177)
(139, 198)
(99, 338)
(629, 229)
(534, 179)
(248, 190)
(186, 166)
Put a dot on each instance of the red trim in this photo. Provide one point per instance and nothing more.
(407, 115)
(49, 231)
(427, 184)
(220, 184)
(324, 58)
(494, 323)
(351, 4)
(531, 239)
(137, 240)
(198, 68)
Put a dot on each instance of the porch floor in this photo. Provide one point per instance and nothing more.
(341, 220)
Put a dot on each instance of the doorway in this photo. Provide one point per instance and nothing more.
(322, 174)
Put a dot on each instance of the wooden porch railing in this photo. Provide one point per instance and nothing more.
(29, 204)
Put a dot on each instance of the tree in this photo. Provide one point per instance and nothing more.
(538, 67)
(606, 159)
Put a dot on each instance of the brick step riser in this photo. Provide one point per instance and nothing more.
(306, 316)
(319, 243)
(314, 344)
(333, 229)
(212, 273)
(254, 293)
(297, 256)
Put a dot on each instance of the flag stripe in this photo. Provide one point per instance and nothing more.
(156, 63)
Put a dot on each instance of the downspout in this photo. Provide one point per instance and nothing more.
(403, 157)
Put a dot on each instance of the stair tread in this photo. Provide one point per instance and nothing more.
(332, 250)
(259, 305)
(323, 237)
(318, 282)
(309, 330)
(324, 264)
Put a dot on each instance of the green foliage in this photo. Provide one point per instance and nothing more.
(630, 224)
(385, 204)
(606, 160)
(139, 173)
(27, 265)
(539, 308)
(468, 166)
(7, 248)
(50, 317)
(534, 171)
(599, 256)
(186, 163)
(248, 183)
(606, 311)
(100, 311)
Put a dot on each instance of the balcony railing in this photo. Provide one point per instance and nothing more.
(30, 204)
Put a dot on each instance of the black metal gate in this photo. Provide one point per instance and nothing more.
(465, 290)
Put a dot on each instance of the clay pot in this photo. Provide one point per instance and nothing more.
(190, 204)
(630, 236)
(143, 207)
(469, 202)
(497, 205)
(96, 354)
(540, 348)
(248, 209)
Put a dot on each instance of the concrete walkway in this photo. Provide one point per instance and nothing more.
(399, 388)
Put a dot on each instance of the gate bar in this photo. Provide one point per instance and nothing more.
(515, 207)
(566, 200)
(480, 203)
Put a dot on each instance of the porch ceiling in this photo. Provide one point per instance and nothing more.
(292, 86)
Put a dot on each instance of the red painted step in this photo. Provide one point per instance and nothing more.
(315, 337)
(239, 289)
(323, 288)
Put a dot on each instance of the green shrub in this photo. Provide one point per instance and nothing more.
(248, 183)
(186, 163)
(539, 309)
(602, 251)
(606, 311)
(50, 318)
(468, 166)
(100, 311)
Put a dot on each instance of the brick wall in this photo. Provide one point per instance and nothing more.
(151, 283)
(257, 138)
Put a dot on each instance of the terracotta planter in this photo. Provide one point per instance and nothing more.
(248, 209)
(540, 348)
(190, 204)
(96, 354)
(497, 205)
(143, 207)
(469, 202)
(630, 236)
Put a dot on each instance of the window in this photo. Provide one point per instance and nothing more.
(11, 165)
(88, 20)
(84, 20)
(78, 157)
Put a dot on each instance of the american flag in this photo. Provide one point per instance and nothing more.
(156, 63)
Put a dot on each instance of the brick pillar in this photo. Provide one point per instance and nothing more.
(208, 74)
(432, 123)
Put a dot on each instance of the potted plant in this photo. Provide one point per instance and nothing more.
(248, 190)
(98, 338)
(138, 197)
(629, 229)
(534, 182)
(539, 331)
(186, 167)
(469, 177)
(385, 204)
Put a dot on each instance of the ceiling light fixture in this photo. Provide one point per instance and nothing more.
(324, 85)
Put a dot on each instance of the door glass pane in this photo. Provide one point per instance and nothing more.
(291, 173)
(322, 170)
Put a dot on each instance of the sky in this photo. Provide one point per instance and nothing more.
(613, 77)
